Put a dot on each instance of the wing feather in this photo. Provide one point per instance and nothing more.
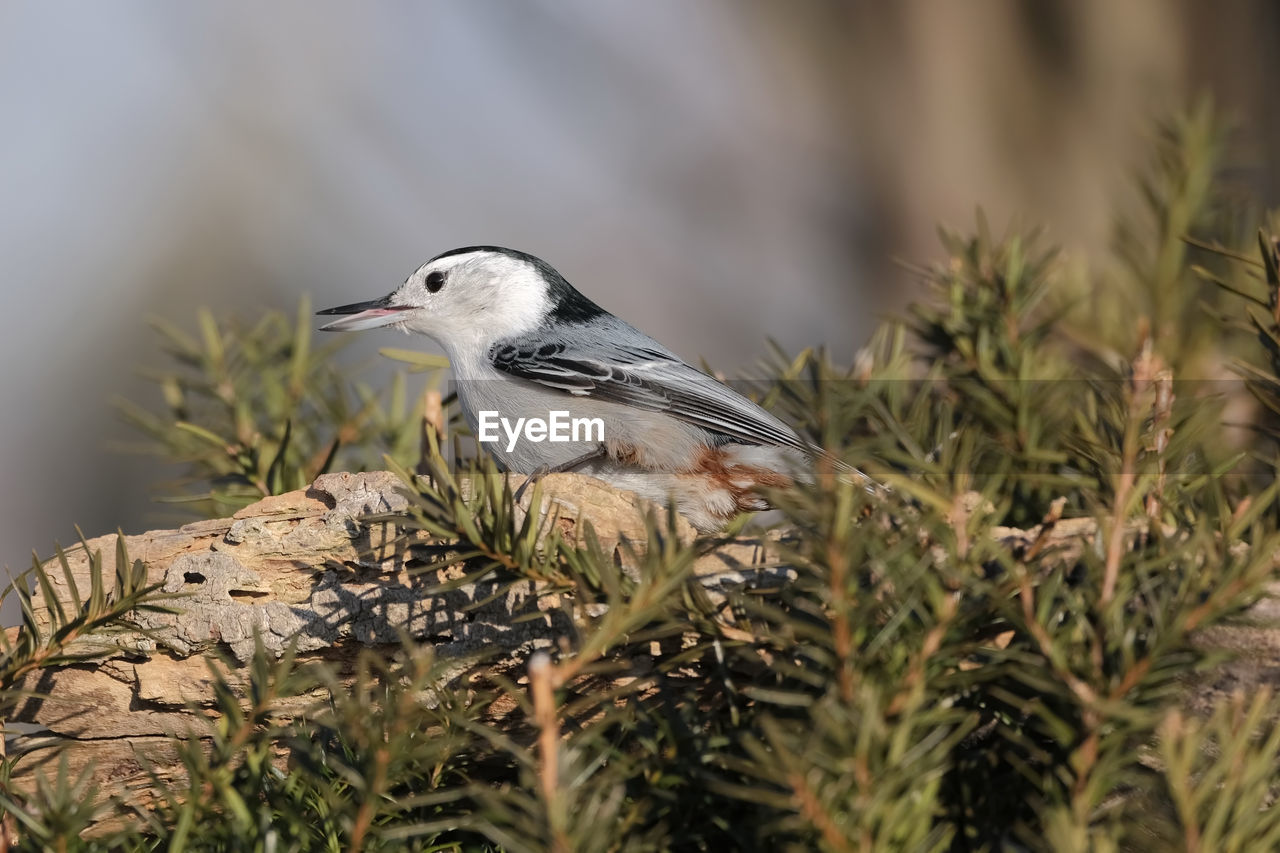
(594, 360)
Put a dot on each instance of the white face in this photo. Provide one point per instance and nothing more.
(464, 302)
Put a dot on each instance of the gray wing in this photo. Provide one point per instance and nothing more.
(617, 363)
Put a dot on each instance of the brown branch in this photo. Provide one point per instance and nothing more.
(546, 719)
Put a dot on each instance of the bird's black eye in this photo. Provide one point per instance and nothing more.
(435, 281)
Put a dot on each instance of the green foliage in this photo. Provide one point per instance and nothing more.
(926, 679)
(989, 347)
(81, 633)
(66, 635)
(1221, 776)
(855, 722)
(257, 410)
(1180, 196)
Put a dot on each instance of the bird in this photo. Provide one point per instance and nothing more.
(524, 345)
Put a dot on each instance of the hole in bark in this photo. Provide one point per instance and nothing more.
(192, 577)
(248, 593)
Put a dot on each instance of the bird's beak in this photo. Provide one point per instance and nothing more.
(364, 315)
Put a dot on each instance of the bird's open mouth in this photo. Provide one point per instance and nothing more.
(364, 315)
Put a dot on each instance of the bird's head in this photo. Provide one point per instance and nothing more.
(470, 298)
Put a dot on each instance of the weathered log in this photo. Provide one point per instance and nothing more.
(305, 568)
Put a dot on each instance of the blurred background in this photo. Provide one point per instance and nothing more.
(717, 172)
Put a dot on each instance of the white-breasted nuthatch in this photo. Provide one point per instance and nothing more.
(524, 344)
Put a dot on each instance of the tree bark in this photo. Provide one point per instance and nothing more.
(305, 568)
